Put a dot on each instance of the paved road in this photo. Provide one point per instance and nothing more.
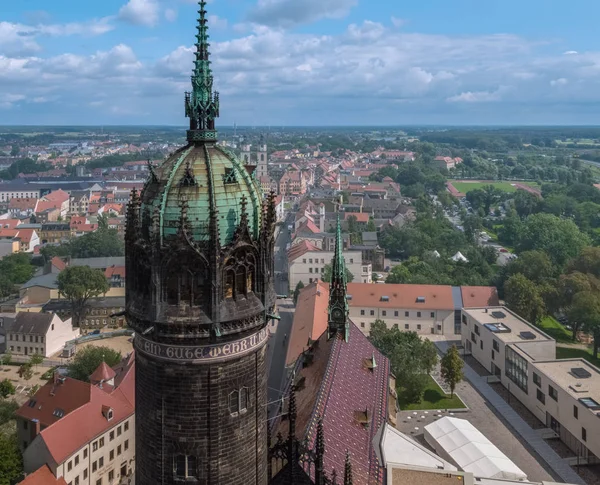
(277, 346)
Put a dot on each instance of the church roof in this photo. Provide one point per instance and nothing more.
(339, 386)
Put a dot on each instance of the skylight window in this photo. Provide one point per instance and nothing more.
(420, 299)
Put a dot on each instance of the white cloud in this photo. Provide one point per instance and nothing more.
(398, 22)
(170, 14)
(216, 22)
(270, 75)
(477, 96)
(570, 53)
(287, 13)
(140, 12)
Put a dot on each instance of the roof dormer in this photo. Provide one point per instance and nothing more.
(107, 412)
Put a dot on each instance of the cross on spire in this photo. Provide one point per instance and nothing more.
(338, 304)
(202, 104)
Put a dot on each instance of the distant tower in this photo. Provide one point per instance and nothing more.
(261, 169)
(246, 155)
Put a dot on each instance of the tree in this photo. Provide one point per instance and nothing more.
(103, 222)
(36, 359)
(588, 261)
(299, 287)
(398, 274)
(87, 360)
(526, 203)
(560, 238)
(79, 284)
(523, 297)
(26, 371)
(11, 462)
(534, 265)
(410, 357)
(7, 388)
(371, 225)
(586, 311)
(33, 390)
(326, 275)
(7, 358)
(568, 287)
(451, 368)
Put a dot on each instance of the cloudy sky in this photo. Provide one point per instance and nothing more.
(303, 62)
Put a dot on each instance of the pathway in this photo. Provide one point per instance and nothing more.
(554, 461)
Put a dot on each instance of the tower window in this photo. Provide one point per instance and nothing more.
(185, 466)
(238, 401)
(234, 402)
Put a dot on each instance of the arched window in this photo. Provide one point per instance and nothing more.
(240, 282)
(243, 399)
(200, 288)
(172, 288)
(229, 282)
(234, 402)
(185, 466)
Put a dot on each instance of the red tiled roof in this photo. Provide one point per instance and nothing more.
(78, 220)
(9, 223)
(67, 396)
(8, 233)
(59, 196)
(102, 373)
(301, 248)
(310, 226)
(85, 423)
(43, 205)
(58, 263)
(437, 297)
(360, 216)
(479, 296)
(43, 476)
(26, 235)
(115, 270)
(310, 319)
(24, 203)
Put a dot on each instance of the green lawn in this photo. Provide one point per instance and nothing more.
(574, 353)
(465, 187)
(433, 398)
(555, 330)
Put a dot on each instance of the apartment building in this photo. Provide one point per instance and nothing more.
(39, 333)
(424, 309)
(307, 264)
(83, 432)
(563, 394)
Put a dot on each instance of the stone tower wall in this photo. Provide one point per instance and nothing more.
(184, 409)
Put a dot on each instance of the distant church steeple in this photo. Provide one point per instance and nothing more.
(338, 303)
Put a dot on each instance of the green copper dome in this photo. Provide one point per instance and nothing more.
(197, 180)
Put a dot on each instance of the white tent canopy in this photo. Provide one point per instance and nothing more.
(459, 257)
(465, 445)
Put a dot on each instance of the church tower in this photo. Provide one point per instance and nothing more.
(246, 153)
(199, 256)
(338, 321)
(261, 156)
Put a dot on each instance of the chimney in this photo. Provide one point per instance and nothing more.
(35, 428)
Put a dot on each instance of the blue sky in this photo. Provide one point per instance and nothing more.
(303, 62)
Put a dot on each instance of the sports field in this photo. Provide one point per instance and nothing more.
(466, 186)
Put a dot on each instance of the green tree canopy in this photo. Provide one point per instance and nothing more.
(411, 358)
(297, 290)
(87, 360)
(585, 310)
(11, 463)
(98, 244)
(534, 265)
(523, 297)
(526, 203)
(79, 284)
(7, 388)
(560, 238)
(451, 368)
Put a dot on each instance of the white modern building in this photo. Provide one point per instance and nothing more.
(563, 394)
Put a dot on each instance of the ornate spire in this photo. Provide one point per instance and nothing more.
(338, 304)
(292, 453)
(347, 470)
(202, 104)
(133, 216)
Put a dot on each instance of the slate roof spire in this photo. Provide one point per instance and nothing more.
(338, 303)
(202, 104)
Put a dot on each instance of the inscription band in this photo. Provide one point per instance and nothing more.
(203, 354)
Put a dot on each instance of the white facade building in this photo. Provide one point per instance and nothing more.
(39, 333)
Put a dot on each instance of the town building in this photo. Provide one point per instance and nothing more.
(39, 333)
(28, 238)
(99, 312)
(22, 207)
(83, 433)
(261, 158)
(448, 162)
(564, 394)
(307, 262)
(55, 232)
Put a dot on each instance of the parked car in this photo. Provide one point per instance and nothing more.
(503, 250)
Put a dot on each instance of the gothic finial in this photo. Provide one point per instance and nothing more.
(347, 470)
(153, 176)
(188, 179)
(292, 410)
(243, 213)
(202, 104)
